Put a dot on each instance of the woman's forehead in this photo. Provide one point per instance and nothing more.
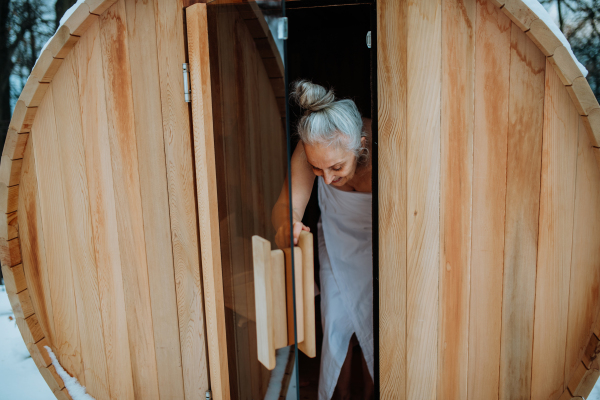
(323, 156)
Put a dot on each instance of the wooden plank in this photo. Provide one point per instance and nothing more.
(81, 19)
(34, 328)
(423, 196)
(24, 329)
(33, 93)
(265, 318)
(392, 30)
(103, 213)
(14, 146)
(557, 198)
(582, 95)
(21, 304)
(10, 171)
(40, 354)
(53, 216)
(207, 199)
(45, 67)
(489, 192)
(62, 42)
(22, 117)
(591, 351)
(280, 337)
(520, 13)
(526, 113)
(585, 276)
(543, 36)
(130, 222)
(33, 245)
(172, 360)
(565, 66)
(71, 158)
(51, 378)
(457, 119)
(309, 345)
(14, 278)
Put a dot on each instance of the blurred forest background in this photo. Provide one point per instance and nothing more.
(26, 25)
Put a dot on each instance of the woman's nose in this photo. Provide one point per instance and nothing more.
(328, 178)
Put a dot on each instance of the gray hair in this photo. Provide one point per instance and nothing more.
(327, 121)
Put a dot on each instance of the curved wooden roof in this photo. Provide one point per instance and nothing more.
(49, 63)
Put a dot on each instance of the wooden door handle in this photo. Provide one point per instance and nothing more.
(273, 295)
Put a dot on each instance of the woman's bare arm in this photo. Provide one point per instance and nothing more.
(302, 182)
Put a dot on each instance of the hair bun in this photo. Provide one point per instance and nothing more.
(311, 96)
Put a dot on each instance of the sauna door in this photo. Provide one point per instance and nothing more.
(239, 122)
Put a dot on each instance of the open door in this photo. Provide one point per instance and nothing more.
(238, 102)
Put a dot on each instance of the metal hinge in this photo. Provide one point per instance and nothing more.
(208, 395)
(187, 92)
(369, 39)
(283, 28)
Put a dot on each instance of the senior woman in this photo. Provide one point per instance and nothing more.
(334, 147)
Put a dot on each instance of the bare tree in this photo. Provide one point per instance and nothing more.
(579, 20)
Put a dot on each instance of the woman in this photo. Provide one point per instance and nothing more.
(334, 146)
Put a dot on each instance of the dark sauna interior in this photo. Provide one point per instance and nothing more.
(327, 45)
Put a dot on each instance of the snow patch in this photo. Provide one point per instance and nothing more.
(540, 11)
(75, 389)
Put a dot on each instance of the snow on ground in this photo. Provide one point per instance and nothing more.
(19, 377)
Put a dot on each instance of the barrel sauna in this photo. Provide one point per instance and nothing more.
(113, 244)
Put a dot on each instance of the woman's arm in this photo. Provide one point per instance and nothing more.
(302, 183)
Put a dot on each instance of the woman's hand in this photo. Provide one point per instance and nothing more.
(282, 237)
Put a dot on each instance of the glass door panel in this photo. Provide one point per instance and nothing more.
(251, 154)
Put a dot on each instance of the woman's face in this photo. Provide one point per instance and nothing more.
(335, 164)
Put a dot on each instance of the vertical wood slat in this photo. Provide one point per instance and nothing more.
(557, 197)
(526, 111)
(457, 119)
(392, 102)
(182, 199)
(130, 223)
(71, 159)
(45, 150)
(492, 60)
(585, 275)
(33, 246)
(103, 212)
(207, 198)
(141, 32)
(423, 196)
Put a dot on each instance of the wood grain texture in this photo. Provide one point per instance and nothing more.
(423, 196)
(280, 337)
(585, 277)
(489, 194)
(141, 31)
(14, 144)
(71, 159)
(103, 212)
(526, 111)
(557, 197)
(392, 106)
(541, 34)
(564, 65)
(53, 215)
(34, 327)
(457, 119)
(178, 149)
(126, 181)
(33, 246)
(207, 199)
(309, 345)
(33, 93)
(265, 316)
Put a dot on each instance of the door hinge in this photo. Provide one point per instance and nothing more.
(283, 28)
(187, 92)
(369, 39)
(208, 395)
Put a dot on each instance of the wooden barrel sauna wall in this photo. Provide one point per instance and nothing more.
(104, 264)
(489, 205)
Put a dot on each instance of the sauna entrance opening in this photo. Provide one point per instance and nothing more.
(327, 45)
